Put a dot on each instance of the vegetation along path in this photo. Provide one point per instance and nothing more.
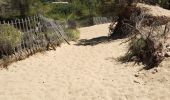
(85, 70)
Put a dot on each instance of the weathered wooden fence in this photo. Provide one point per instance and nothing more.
(36, 34)
(102, 20)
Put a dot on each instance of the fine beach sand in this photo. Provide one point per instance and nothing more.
(84, 72)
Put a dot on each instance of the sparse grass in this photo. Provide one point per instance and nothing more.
(10, 37)
(73, 34)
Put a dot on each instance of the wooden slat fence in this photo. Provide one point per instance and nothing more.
(37, 32)
(101, 20)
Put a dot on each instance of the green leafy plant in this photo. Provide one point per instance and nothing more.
(10, 37)
(73, 34)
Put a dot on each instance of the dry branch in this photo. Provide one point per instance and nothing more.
(147, 35)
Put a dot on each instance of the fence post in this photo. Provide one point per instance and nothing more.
(22, 42)
(36, 30)
(28, 43)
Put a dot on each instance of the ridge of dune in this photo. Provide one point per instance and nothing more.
(154, 10)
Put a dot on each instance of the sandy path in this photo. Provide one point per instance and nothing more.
(83, 73)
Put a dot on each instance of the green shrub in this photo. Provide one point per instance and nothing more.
(10, 37)
(137, 47)
(136, 50)
(73, 34)
(146, 51)
(59, 11)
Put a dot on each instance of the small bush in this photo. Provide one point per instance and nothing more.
(137, 47)
(73, 34)
(147, 51)
(10, 37)
(136, 50)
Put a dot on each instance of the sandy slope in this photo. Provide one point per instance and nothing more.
(154, 10)
(83, 73)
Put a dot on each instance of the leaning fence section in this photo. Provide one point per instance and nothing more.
(21, 38)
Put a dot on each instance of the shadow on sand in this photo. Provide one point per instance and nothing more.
(94, 41)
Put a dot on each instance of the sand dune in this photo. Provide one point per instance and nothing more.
(84, 72)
